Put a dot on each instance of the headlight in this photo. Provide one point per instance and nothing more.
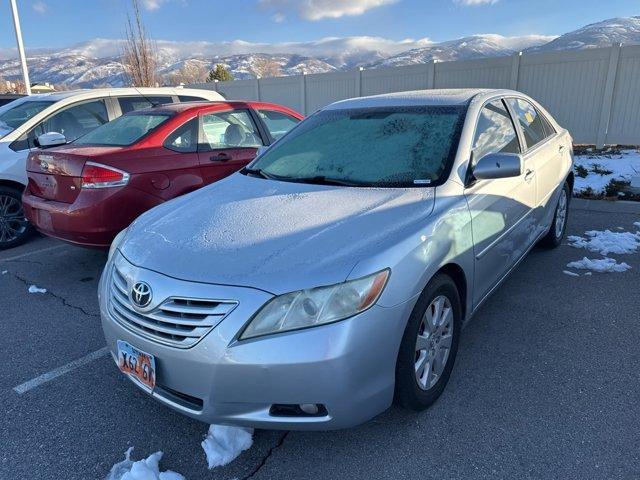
(317, 306)
(116, 243)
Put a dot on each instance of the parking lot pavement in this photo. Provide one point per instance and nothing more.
(545, 386)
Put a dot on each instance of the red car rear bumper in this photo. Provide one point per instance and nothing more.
(92, 220)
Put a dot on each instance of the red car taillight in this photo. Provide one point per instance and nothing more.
(95, 175)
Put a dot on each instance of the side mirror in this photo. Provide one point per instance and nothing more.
(499, 165)
(51, 139)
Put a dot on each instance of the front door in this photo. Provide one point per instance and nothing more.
(230, 141)
(501, 208)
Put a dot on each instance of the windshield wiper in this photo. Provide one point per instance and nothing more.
(322, 180)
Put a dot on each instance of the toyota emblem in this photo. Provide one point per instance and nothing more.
(141, 294)
(44, 166)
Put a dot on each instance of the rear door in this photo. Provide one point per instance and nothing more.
(501, 208)
(544, 151)
(230, 140)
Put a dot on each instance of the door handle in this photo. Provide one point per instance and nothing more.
(528, 175)
(561, 148)
(220, 157)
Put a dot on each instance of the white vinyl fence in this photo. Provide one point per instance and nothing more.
(595, 93)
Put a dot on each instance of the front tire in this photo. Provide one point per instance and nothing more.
(429, 345)
(14, 227)
(558, 228)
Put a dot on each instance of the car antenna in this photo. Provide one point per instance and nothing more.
(154, 103)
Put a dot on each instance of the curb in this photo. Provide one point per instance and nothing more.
(604, 206)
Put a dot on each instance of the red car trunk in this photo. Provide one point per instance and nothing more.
(57, 175)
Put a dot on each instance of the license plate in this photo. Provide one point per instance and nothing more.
(139, 365)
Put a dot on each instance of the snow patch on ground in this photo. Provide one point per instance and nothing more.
(4, 272)
(606, 242)
(147, 469)
(622, 166)
(223, 444)
(599, 265)
(571, 274)
(35, 289)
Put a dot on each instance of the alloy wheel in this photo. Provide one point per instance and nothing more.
(434, 342)
(13, 224)
(561, 213)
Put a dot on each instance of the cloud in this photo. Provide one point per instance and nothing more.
(40, 7)
(474, 3)
(314, 10)
(151, 4)
(278, 17)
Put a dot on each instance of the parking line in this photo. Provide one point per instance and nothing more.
(33, 252)
(57, 372)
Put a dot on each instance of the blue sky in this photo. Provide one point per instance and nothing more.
(60, 23)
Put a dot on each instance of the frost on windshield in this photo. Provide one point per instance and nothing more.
(397, 145)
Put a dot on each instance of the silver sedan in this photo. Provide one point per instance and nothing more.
(335, 272)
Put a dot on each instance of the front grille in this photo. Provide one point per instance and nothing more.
(179, 322)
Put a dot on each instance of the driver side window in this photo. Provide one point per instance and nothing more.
(232, 129)
(495, 132)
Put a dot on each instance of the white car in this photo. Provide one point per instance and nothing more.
(64, 116)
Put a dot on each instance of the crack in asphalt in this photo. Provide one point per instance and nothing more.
(63, 300)
(267, 456)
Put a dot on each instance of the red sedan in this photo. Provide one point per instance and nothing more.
(87, 191)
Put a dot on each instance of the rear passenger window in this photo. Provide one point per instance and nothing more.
(531, 122)
(185, 138)
(187, 98)
(277, 123)
(495, 132)
(129, 104)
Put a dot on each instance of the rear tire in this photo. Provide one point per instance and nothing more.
(558, 228)
(14, 227)
(424, 366)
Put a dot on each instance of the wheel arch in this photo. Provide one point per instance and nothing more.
(12, 184)
(456, 273)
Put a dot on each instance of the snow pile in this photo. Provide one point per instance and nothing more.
(35, 289)
(223, 444)
(599, 265)
(4, 272)
(601, 169)
(147, 469)
(607, 242)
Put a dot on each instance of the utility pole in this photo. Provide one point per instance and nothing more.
(23, 60)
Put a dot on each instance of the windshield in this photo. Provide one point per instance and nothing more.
(123, 131)
(394, 147)
(17, 112)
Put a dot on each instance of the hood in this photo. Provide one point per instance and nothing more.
(271, 235)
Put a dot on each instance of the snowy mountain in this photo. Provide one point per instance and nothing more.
(466, 48)
(601, 34)
(97, 62)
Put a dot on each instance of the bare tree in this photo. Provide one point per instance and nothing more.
(139, 54)
(189, 73)
(266, 67)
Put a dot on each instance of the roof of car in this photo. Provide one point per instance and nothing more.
(456, 96)
(105, 92)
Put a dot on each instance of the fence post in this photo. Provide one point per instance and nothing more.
(359, 81)
(431, 74)
(258, 88)
(607, 98)
(515, 70)
(303, 95)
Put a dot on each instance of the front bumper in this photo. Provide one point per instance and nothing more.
(348, 366)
